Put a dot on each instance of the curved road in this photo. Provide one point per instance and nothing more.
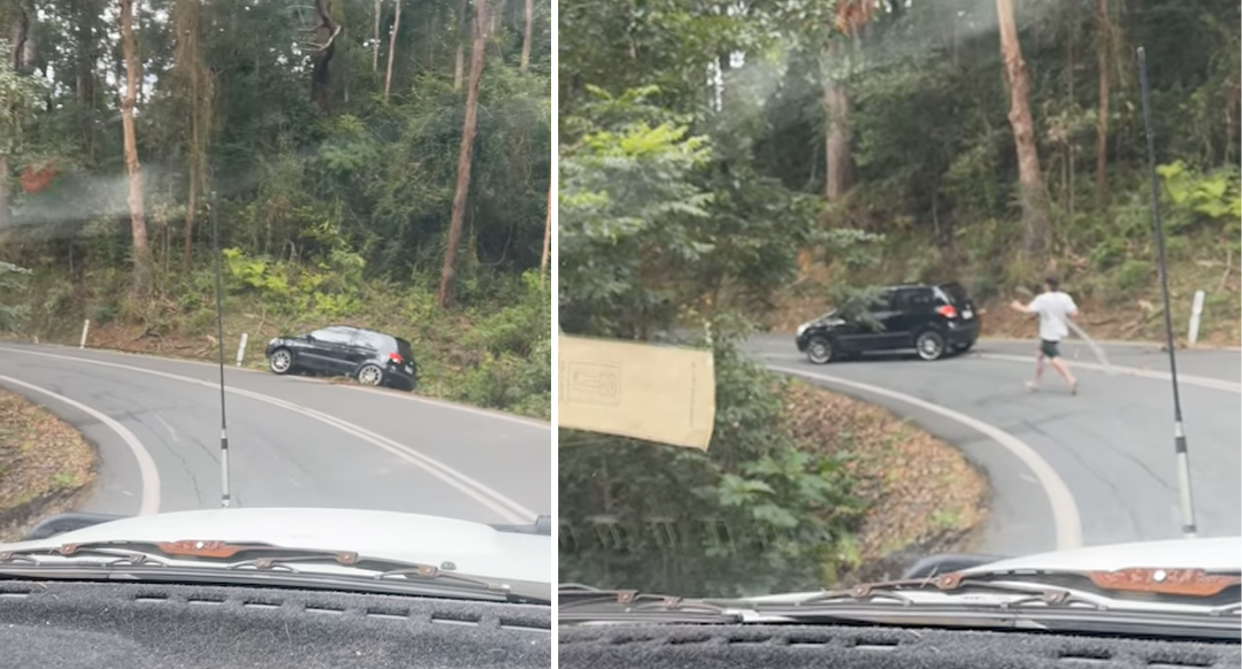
(1092, 469)
(292, 441)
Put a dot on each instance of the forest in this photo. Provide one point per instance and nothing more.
(729, 166)
(381, 163)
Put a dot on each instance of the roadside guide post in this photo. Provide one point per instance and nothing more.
(1196, 311)
(241, 348)
(86, 328)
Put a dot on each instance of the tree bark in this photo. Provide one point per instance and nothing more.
(321, 74)
(547, 240)
(1034, 194)
(392, 48)
(469, 126)
(837, 141)
(379, 8)
(1102, 46)
(459, 61)
(838, 159)
(137, 216)
(526, 37)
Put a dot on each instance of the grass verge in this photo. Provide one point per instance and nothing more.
(921, 494)
(46, 465)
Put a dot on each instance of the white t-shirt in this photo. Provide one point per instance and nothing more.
(1054, 310)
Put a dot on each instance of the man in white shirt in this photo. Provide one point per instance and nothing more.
(1054, 309)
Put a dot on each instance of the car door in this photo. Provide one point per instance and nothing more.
(365, 347)
(887, 314)
(916, 308)
(331, 350)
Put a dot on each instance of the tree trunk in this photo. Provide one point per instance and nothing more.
(137, 217)
(459, 61)
(1034, 194)
(530, 21)
(837, 140)
(547, 239)
(1102, 46)
(321, 74)
(4, 192)
(392, 49)
(457, 221)
(379, 8)
(838, 174)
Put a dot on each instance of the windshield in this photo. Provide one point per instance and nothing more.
(278, 273)
(726, 175)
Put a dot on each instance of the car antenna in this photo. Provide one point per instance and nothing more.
(1189, 530)
(224, 423)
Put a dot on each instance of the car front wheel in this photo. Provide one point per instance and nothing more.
(819, 351)
(930, 345)
(281, 361)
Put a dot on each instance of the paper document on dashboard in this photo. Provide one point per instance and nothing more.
(655, 393)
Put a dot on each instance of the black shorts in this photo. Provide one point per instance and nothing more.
(1049, 349)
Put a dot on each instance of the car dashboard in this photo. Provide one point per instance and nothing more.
(856, 647)
(80, 625)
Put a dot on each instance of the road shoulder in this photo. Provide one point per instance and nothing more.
(46, 466)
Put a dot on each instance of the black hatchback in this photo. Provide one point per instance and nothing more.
(373, 358)
(932, 320)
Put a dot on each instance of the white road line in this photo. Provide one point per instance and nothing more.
(1064, 509)
(407, 397)
(508, 509)
(1156, 375)
(146, 464)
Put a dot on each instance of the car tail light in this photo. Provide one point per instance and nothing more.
(948, 311)
(395, 358)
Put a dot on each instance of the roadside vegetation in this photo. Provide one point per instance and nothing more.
(45, 465)
(384, 164)
(724, 172)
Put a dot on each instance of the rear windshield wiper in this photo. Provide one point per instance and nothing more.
(250, 560)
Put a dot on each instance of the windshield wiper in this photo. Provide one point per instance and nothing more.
(585, 604)
(251, 562)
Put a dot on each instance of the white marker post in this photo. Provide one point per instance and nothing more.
(1195, 312)
(241, 348)
(86, 327)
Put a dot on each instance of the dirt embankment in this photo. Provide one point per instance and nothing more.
(922, 494)
(46, 466)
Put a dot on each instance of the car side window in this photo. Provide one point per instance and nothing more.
(882, 303)
(367, 340)
(328, 336)
(919, 301)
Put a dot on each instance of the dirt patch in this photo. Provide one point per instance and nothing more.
(922, 495)
(45, 465)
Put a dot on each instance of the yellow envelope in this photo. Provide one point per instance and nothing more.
(656, 393)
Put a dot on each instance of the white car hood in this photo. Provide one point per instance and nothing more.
(1215, 554)
(475, 548)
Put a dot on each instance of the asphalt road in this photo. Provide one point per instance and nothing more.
(292, 441)
(1087, 470)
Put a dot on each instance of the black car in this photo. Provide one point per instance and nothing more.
(373, 358)
(931, 320)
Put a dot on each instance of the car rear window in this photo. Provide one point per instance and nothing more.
(403, 347)
(956, 293)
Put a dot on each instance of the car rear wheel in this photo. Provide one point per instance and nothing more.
(370, 375)
(930, 345)
(281, 361)
(819, 350)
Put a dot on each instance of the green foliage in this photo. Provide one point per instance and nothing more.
(12, 284)
(337, 215)
(650, 231)
(755, 514)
